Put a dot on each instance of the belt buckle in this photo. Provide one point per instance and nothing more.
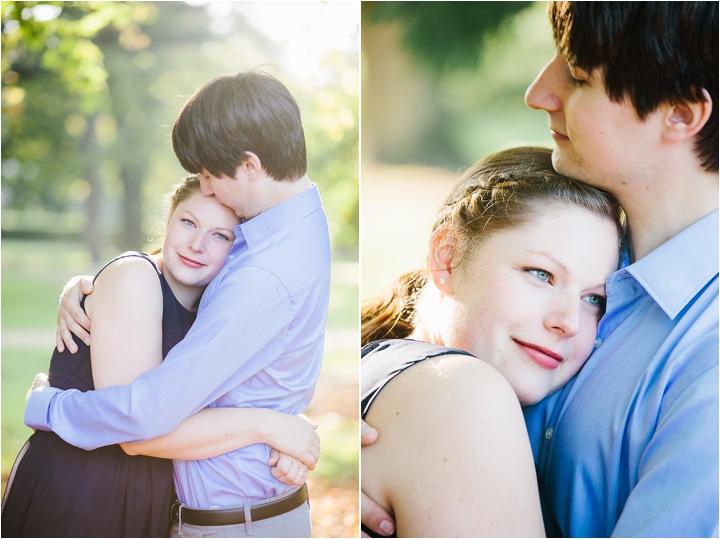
(175, 512)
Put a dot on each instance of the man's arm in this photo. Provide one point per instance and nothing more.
(676, 494)
(236, 335)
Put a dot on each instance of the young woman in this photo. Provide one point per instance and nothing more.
(140, 308)
(516, 276)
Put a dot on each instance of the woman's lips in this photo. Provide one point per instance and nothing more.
(542, 356)
(558, 137)
(190, 262)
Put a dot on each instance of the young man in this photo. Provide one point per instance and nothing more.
(258, 339)
(630, 447)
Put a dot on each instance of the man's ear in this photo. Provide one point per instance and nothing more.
(443, 252)
(251, 166)
(684, 120)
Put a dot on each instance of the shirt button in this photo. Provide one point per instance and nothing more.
(598, 341)
(231, 257)
(548, 434)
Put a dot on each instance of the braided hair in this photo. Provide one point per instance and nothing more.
(499, 192)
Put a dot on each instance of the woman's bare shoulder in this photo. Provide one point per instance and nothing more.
(451, 431)
(448, 382)
(131, 279)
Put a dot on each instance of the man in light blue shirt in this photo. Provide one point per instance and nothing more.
(630, 446)
(258, 339)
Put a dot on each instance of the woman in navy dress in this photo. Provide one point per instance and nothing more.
(504, 314)
(140, 308)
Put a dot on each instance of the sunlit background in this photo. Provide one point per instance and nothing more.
(90, 91)
(442, 86)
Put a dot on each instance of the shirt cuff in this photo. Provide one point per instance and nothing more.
(38, 406)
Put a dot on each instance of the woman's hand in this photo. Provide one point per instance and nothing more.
(71, 318)
(287, 469)
(294, 436)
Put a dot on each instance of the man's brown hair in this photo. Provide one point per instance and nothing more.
(235, 114)
(650, 52)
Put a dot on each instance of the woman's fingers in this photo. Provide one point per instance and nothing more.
(274, 456)
(289, 470)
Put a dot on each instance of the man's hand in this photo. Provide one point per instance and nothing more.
(71, 318)
(368, 435)
(41, 380)
(287, 469)
(371, 514)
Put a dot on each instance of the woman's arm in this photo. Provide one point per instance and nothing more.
(126, 309)
(215, 431)
(452, 457)
(126, 341)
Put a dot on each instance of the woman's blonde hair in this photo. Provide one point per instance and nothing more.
(189, 186)
(499, 192)
(186, 188)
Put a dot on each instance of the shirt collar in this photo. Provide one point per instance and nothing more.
(676, 271)
(272, 220)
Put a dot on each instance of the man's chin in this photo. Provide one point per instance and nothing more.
(565, 166)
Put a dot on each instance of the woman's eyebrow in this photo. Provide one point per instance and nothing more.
(551, 258)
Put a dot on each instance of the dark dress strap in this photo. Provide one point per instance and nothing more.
(381, 361)
(129, 254)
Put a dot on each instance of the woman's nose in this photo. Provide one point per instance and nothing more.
(563, 317)
(197, 243)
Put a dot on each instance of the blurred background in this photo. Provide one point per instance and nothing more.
(90, 91)
(442, 87)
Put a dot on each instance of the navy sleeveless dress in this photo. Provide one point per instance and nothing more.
(58, 490)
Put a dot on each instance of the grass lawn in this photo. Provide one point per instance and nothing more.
(33, 275)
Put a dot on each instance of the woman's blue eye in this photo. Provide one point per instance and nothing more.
(540, 275)
(221, 236)
(188, 222)
(596, 300)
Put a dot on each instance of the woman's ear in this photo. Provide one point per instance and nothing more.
(443, 252)
(684, 120)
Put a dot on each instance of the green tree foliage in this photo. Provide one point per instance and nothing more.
(446, 35)
(57, 109)
(90, 91)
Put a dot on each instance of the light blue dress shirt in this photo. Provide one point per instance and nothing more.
(257, 343)
(629, 447)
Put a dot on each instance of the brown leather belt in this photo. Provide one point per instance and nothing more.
(228, 517)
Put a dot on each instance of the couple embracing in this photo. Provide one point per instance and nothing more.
(533, 273)
(210, 378)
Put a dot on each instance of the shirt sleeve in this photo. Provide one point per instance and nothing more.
(238, 333)
(676, 494)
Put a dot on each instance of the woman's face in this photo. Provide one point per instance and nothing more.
(528, 299)
(198, 239)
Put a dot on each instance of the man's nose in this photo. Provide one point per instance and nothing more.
(543, 94)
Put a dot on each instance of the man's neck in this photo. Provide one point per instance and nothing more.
(668, 207)
(275, 192)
